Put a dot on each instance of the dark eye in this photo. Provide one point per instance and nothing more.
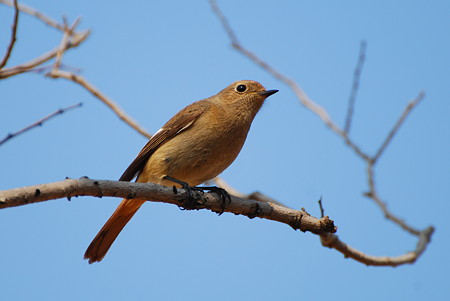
(241, 88)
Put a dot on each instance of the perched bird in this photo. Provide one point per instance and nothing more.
(194, 146)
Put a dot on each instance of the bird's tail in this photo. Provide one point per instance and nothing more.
(106, 236)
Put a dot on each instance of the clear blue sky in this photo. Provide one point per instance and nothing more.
(155, 57)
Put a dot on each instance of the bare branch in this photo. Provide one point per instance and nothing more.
(322, 211)
(373, 195)
(256, 196)
(64, 40)
(225, 23)
(70, 39)
(332, 241)
(47, 68)
(13, 36)
(158, 193)
(68, 32)
(301, 95)
(40, 122)
(231, 190)
(355, 86)
(399, 122)
(95, 92)
(32, 12)
(25, 67)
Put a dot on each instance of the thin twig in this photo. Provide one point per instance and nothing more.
(70, 39)
(373, 195)
(301, 95)
(40, 122)
(76, 38)
(231, 190)
(37, 14)
(322, 211)
(95, 92)
(25, 67)
(68, 32)
(332, 241)
(48, 68)
(397, 125)
(355, 86)
(225, 23)
(256, 196)
(13, 36)
(64, 40)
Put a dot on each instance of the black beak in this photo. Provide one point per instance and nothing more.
(267, 93)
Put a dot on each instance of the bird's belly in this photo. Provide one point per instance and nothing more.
(194, 163)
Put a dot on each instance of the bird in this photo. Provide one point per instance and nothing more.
(195, 145)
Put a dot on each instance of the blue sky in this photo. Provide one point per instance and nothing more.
(154, 58)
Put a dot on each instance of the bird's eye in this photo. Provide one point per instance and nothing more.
(241, 88)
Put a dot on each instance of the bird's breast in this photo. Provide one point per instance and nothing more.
(195, 156)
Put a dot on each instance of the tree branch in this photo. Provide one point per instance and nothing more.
(256, 195)
(25, 67)
(333, 241)
(13, 36)
(35, 13)
(397, 125)
(355, 86)
(68, 32)
(40, 122)
(304, 99)
(157, 193)
(301, 220)
(96, 93)
(71, 39)
(373, 195)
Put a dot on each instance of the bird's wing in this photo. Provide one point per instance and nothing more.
(177, 124)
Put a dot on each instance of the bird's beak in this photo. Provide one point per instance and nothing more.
(267, 93)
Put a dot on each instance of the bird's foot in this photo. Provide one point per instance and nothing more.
(191, 202)
(224, 195)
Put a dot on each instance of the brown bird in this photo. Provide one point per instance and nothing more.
(194, 146)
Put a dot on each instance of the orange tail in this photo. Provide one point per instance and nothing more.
(105, 238)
